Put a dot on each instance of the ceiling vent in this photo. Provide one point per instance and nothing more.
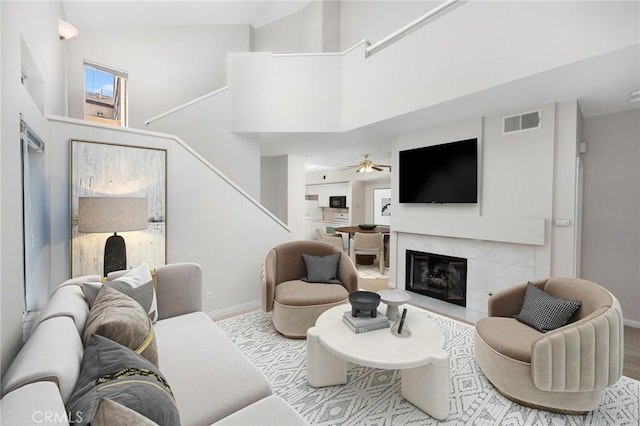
(521, 122)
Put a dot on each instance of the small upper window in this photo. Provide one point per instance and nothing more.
(105, 94)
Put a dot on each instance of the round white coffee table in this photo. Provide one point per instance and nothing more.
(421, 359)
(393, 299)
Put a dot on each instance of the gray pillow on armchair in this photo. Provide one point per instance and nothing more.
(543, 311)
(322, 269)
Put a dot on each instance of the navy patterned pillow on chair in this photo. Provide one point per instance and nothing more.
(545, 312)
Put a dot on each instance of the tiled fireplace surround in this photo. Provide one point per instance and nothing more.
(491, 267)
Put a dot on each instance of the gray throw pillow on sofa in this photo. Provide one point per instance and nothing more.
(143, 294)
(110, 370)
(545, 312)
(322, 269)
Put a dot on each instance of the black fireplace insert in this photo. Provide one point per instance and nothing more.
(439, 276)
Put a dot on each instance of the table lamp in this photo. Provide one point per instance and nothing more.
(112, 214)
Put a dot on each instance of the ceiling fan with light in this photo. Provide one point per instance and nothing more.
(366, 166)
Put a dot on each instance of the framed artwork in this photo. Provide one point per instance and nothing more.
(111, 170)
(382, 206)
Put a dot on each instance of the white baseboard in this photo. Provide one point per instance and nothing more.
(632, 323)
(234, 310)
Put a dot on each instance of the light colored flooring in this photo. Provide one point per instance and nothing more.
(371, 279)
(631, 352)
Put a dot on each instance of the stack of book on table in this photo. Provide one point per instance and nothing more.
(362, 324)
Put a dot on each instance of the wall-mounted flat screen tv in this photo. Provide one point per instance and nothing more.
(445, 173)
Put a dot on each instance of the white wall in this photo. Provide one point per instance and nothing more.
(357, 211)
(283, 191)
(206, 127)
(565, 191)
(369, 197)
(345, 175)
(300, 32)
(470, 44)
(518, 188)
(611, 222)
(36, 24)
(167, 66)
(517, 169)
(319, 177)
(308, 93)
(331, 25)
(274, 186)
(296, 191)
(207, 219)
(289, 93)
(375, 20)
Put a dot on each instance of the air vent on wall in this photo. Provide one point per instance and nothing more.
(520, 122)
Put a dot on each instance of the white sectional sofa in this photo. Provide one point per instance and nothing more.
(212, 382)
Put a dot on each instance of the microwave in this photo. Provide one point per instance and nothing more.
(338, 201)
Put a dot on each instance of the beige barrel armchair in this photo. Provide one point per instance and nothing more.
(295, 304)
(562, 370)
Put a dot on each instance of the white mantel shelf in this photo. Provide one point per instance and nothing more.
(501, 229)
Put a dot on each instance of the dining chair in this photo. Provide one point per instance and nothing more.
(371, 244)
(335, 240)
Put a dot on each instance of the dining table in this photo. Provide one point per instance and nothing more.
(352, 229)
(385, 230)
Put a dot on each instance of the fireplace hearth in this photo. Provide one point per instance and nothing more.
(439, 276)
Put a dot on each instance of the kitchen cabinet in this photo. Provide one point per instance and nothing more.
(324, 191)
(323, 197)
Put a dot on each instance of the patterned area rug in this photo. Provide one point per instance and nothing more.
(370, 278)
(372, 397)
(371, 271)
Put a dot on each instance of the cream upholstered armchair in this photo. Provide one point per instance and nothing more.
(564, 369)
(368, 244)
(296, 304)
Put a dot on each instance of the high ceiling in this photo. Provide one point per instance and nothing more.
(601, 85)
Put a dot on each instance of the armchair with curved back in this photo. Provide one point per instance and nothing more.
(562, 370)
(295, 305)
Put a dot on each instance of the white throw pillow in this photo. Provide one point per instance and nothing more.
(137, 284)
(137, 276)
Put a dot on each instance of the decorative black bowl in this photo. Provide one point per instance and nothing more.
(364, 301)
(367, 226)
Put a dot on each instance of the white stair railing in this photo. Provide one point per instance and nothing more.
(410, 27)
(186, 105)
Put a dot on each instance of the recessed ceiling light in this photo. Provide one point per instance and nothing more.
(634, 96)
